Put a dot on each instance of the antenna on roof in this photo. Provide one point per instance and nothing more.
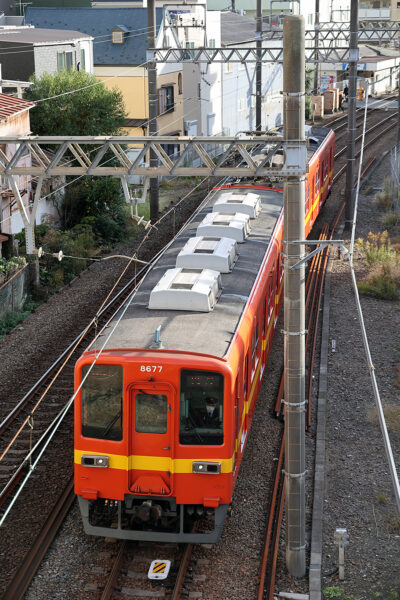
(157, 344)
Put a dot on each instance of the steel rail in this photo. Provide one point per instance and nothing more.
(271, 518)
(114, 574)
(367, 144)
(183, 568)
(23, 402)
(369, 131)
(312, 324)
(371, 108)
(27, 569)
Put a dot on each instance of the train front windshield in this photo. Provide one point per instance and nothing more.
(201, 408)
(102, 402)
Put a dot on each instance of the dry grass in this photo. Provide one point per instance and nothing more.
(392, 416)
(385, 197)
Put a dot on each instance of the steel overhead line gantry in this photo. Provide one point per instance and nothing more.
(327, 45)
(83, 155)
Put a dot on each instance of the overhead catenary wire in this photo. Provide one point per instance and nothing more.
(371, 367)
(57, 422)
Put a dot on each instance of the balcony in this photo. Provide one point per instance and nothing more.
(374, 14)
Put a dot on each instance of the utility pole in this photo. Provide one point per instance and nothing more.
(258, 64)
(316, 29)
(398, 112)
(351, 127)
(153, 104)
(294, 300)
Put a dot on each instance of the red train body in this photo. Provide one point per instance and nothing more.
(161, 422)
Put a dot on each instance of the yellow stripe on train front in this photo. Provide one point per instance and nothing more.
(155, 463)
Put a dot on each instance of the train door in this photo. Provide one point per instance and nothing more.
(244, 416)
(237, 417)
(151, 438)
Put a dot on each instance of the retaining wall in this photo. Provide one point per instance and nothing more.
(14, 292)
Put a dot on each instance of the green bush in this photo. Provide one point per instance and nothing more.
(79, 242)
(12, 319)
(10, 266)
(381, 287)
(376, 248)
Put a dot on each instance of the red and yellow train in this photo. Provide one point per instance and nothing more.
(167, 391)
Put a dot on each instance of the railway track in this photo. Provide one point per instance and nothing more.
(314, 290)
(25, 410)
(128, 574)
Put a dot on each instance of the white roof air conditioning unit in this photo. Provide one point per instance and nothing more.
(219, 254)
(230, 202)
(186, 289)
(236, 226)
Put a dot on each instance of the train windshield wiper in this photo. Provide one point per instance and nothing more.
(111, 424)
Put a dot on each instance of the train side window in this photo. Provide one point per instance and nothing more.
(102, 402)
(246, 375)
(264, 327)
(307, 197)
(254, 344)
(201, 408)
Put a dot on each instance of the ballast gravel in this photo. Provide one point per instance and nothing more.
(358, 492)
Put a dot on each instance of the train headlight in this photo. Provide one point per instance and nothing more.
(89, 460)
(208, 468)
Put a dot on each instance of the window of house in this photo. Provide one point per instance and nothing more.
(166, 99)
(179, 83)
(199, 91)
(117, 37)
(211, 43)
(190, 45)
(64, 61)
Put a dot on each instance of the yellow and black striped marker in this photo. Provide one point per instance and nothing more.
(159, 569)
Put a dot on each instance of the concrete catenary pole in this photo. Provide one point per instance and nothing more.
(351, 127)
(153, 104)
(398, 112)
(294, 302)
(316, 29)
(258, 65)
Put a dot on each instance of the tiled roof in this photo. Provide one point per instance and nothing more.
(99, 23)
(9, 105)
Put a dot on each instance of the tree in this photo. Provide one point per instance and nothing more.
(93, 110)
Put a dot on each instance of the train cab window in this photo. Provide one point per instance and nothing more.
(102, 402)
(201, 408)
(151, 413)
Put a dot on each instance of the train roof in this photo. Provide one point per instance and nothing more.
(193, 331)
(206, 333)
